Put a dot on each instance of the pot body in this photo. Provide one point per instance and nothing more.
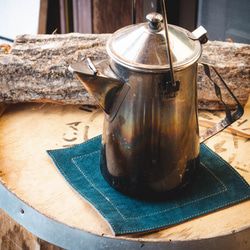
(152, 145)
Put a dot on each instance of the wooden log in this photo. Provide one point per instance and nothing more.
(232, 61)
(36, 69)
(14, 236)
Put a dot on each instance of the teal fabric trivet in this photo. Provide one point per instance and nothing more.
(217, 185)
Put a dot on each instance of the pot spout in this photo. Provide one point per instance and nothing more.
(100, 81)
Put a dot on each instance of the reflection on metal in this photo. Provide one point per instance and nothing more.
(107, 89)
(148, 89)
(142, 47)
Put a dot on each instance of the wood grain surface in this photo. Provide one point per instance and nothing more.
(29, 129)
(107, 15)
(14, 237)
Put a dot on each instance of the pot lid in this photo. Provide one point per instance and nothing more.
(143, 46)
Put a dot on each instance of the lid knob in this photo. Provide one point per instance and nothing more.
(155, 20)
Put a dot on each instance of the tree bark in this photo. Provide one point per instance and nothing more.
(36, 69)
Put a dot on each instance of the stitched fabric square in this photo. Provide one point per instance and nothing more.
(217, 185)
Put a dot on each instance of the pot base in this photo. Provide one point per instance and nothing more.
(139, 186)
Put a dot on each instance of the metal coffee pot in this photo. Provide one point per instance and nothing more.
(148, 90)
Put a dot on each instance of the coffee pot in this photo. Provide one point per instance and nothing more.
(148, 91)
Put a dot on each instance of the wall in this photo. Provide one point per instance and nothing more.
(18, 17)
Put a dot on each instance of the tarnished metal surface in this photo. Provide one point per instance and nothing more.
(153, 142)
(108, 90)
(150, 141)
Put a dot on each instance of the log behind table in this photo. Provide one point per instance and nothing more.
(36, 69)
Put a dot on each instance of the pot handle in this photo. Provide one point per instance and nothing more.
(133, 11)
(169, 53)
(230, 117)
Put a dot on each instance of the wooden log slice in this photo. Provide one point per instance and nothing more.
(28, 174)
